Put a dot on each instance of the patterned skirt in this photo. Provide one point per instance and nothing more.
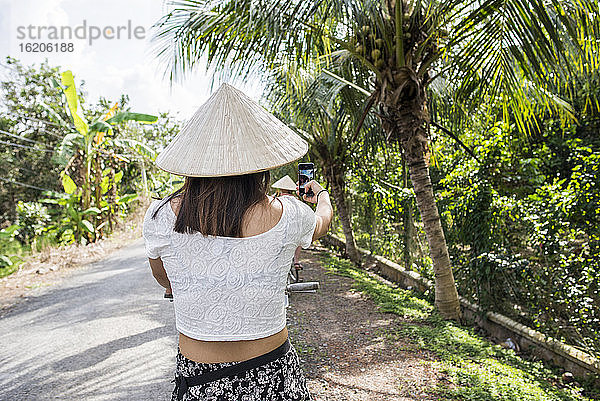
(280, 379)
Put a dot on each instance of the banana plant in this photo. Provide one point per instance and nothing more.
(76, 223)
(94, 138)
(92, 149)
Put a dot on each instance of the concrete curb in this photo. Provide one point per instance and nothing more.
(499, 326)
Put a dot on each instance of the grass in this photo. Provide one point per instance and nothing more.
(14, 252)
(8, 270)
(477, 369)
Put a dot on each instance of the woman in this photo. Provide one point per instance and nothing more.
(285, 186)
(224, 249)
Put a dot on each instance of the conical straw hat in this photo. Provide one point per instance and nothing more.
(231, 134)
(285, 183)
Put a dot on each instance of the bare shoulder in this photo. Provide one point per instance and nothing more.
(262, 217)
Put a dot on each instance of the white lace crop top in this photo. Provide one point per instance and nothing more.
(225, 288)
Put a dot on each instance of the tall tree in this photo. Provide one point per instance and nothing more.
(27, 134)
(486, 51)
(325, 112)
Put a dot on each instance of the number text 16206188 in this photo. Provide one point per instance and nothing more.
(46, 47)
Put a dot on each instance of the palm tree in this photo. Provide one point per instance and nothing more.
(485, 52)
(325, 112)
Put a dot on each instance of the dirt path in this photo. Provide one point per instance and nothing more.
(341, 338)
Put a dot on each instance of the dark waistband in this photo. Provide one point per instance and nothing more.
(182, 383)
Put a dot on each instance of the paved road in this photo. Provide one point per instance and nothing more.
(105, 333)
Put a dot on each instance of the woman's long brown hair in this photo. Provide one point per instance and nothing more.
(216, 205)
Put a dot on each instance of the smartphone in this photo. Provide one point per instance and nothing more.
(306, 173)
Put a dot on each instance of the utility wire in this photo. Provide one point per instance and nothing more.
(42, 121)
(46, 131)
(34, 119)
(25, 185)
(20, 168)
(21, 137)
(26, 147)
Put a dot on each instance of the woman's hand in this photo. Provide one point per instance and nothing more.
(311, 185)
(323, 211)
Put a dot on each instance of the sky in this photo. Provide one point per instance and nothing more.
(109, 67)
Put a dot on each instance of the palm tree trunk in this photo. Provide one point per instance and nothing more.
(446, 296)
(337, 182)
(404, 119)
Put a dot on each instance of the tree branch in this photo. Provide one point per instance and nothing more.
(451, 135)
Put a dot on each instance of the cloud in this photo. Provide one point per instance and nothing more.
(113, 67)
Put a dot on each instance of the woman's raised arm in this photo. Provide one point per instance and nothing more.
(324, 210)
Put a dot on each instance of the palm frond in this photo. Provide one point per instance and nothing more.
(239, 37)
(508, 52)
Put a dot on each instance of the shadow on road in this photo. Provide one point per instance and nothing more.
(104, 333)
(99, 353)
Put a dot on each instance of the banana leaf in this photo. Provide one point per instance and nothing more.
(127, 198)
(132, 144)
(89, 227)
(100, 126)
(129, 116)
(5, 260)
(68, 184)
(71, 94)
(67, 148)
(8, 231)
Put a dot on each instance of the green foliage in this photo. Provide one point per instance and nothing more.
(523, 227)
(564, 216)
(477, 369)
(83, 165)
(28, 99)
(70, 91)
(124, 116)
(93, 148)
(385, 213)
(74, 224)
(9, 232)
(475, 64)
(9, 247)
(32, 218)
(68, 184)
